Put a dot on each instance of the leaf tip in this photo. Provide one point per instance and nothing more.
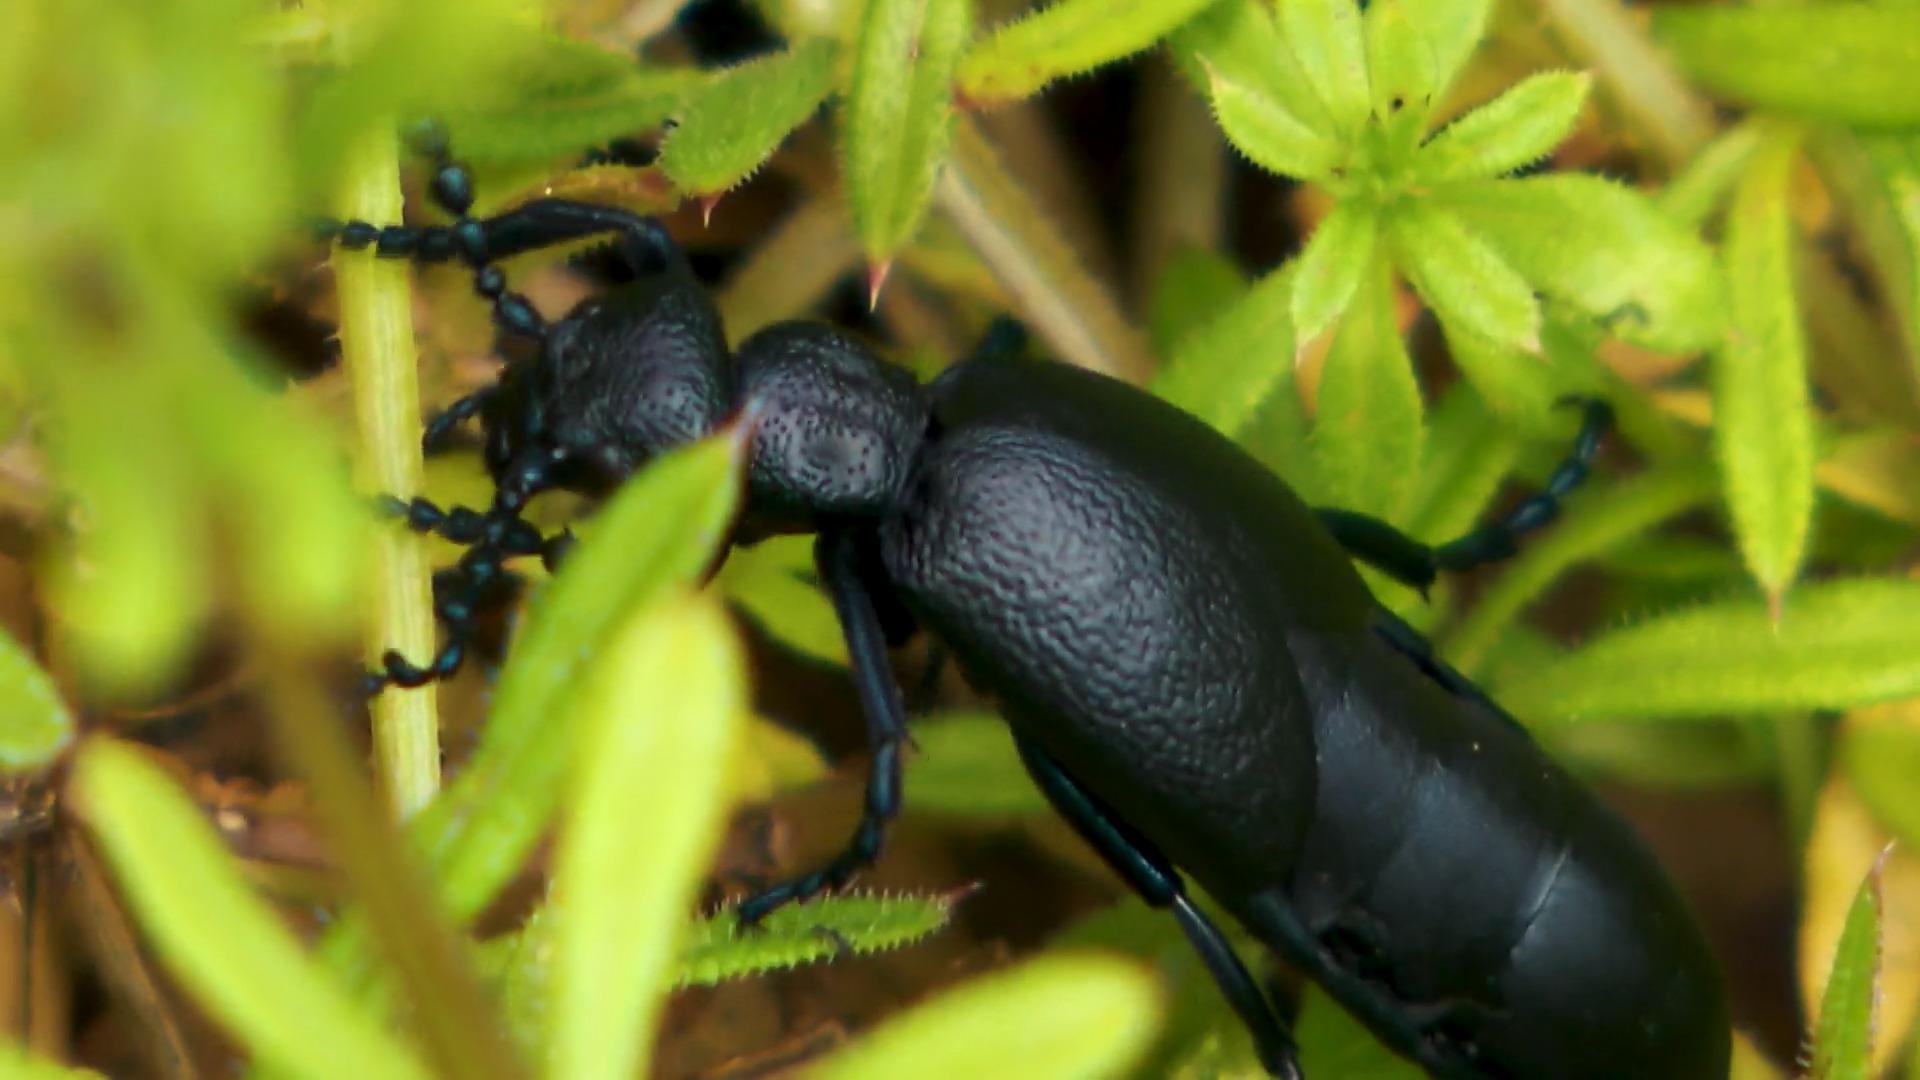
(707, 203)
(876, 279)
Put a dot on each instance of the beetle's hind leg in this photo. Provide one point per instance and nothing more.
(1416, 564)
(1156, 881)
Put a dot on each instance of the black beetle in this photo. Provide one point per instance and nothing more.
(1194, 672)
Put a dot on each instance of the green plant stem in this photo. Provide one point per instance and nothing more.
(1654, 101)
(1078, 318)
(376, 344)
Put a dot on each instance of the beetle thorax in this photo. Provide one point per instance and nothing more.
(835, 428)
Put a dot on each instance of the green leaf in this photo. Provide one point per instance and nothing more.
(1400, 69)
(1690, 197)
(1064, 38)
(1464, 279)
(1333, 1043)
(1452, 29)
(222, 943)
(1881, 755)
(1194, 287)
(1240, 41)
(1835, 645)
(1224, 371)
(1337, 255)
(34, 722)
(1843, 1036)
(1259, 126)
(899, 114)
(17, 1064)
(1367, 425)
(1857, 63)
(1514, 130)
(663, 527)
(845, 924)
(1602, 248)
(1061, 1016)
(965, 763)
(662, 707)
(1763, 428)
(1329, 44)
(770, 581)
(1593, 524)
(733, 124)
(1468, 452)
(1876, 178)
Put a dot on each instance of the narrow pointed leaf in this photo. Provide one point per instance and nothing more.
(1605, 250)
(1229, 371)
(1837, 644)
(899, 114)
(1452, 29)
(1062, 1016)
(223, 944)
(1064, 38)
(1843, 1036)
(1763, 429)
(845, 924)
(1690, 197)
(662, 709)
(1194, 287)
(34, 722)
(1336, 257)
(1329, 43)
(1464, 279)
(1240, 41)
(1400, 64)
(558, 97)
(1514, 130)
(1876, 178)
(1857, 63)
(1259, 126)
(731, 126)
(1367, 426)
(1468, 452)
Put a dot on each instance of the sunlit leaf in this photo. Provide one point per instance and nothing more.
(899, 114)
(1062, 38)
(1463, 278)
(1240, 41)
(1061, 1016)
(223, 944)
(1400, 69)
(1763, 429)
(1259, 126)
(662, 707)
(1858, 63)
(729, 127)
(550, 122)
(1223, 372)
(1367, 426)
(1843, 1036)
(1844, 847)
(1329, 43)
(1605, 250)
(1452, 29)
(1836, 644)
(1516, 129)
(1336, 257)
(34, 722)
(965, 763)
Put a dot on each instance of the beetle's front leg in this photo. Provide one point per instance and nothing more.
(838, 554)
(1156, 881)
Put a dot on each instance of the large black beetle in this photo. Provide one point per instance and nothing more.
(1194, 672)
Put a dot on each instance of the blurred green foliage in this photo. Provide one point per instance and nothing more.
(1750, 304)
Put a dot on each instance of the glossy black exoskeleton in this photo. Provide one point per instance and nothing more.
(1193, 670)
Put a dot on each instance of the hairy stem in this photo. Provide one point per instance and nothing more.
(376, 344)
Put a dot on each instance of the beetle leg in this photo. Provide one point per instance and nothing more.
(1156, 881)
(443, 422)
(1415, 564)
(838, 555)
